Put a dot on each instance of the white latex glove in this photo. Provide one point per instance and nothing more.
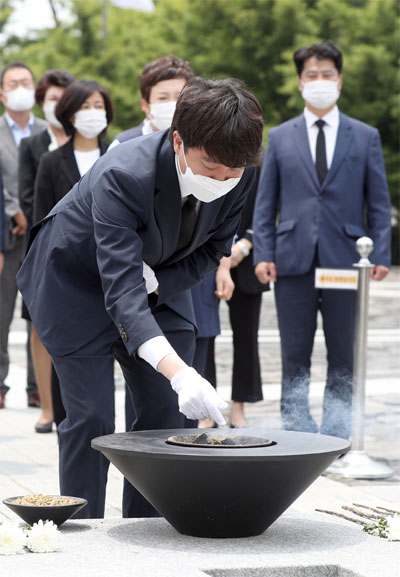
(150, 278)
(196, 397)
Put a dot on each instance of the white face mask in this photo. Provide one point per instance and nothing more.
(162, 113)
(89, 123)
(20, 99)
(321, 94)
(49, 113)
(204, 188)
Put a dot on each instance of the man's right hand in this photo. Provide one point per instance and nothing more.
(196, 397)
(266, 272)
(21, 224)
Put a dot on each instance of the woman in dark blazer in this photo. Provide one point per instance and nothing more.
(244, 315)
(48, 92)
(85, 110)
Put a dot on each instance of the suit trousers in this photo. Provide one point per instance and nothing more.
(87, 390)
(297, 303)
(244, 315)
(8, 294)
(204, 359)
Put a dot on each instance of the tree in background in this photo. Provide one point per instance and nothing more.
(253, 40)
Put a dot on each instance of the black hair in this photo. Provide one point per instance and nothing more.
(321, 50)
(11, 66)
(164, 68)
(56, 77)
(74, 96)
(222, 117)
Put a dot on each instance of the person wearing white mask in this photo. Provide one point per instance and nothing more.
(322, 186)
(160, 85)
(84, 111)
(49, 89)
(17, 87)
(161, 82)
(84, 286)
(78, 114)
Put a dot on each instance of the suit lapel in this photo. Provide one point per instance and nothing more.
(206, 215)
(69, 166)
(7, 134)
(300, 137)
(343, 139)
(167, 200)
(38, 126)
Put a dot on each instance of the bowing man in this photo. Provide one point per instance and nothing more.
(107, 273)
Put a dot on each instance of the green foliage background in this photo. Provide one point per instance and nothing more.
(249, 39)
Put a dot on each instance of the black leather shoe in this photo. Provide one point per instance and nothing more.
(34, 400)
(44, 427)
(3, 399)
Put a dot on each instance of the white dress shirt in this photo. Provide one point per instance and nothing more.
(330, 130)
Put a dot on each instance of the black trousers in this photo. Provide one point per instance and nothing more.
(87, 390)
(298, 303)
(244, 315)
(204, 359)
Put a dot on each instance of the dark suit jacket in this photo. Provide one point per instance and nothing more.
(56, 175)
(353, 200)
(130, 133)
(243, 275)
(30, 152)
(85, 264)
(2, 216)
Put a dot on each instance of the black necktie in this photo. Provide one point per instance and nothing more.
(188, 222)
(320, 155)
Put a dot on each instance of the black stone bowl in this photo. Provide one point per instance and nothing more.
(33, 513)
(221, 492)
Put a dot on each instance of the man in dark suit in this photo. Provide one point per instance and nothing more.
(108, 271)
(324, 174)
(2, 223)
(17, 96)
(161, 83)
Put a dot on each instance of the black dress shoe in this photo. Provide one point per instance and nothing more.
(33, 400)
(3, 399)
(44, 427)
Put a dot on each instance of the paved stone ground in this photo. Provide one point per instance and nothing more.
(28, 461)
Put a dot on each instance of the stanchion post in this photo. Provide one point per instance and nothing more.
(357, 464)
(364, 247)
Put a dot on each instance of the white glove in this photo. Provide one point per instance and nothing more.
(150, 278)
(196, 397)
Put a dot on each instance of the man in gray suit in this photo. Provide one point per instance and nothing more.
(17, 95)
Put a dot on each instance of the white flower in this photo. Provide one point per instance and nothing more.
(12, 539)
(43, 537)
(393, 526)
